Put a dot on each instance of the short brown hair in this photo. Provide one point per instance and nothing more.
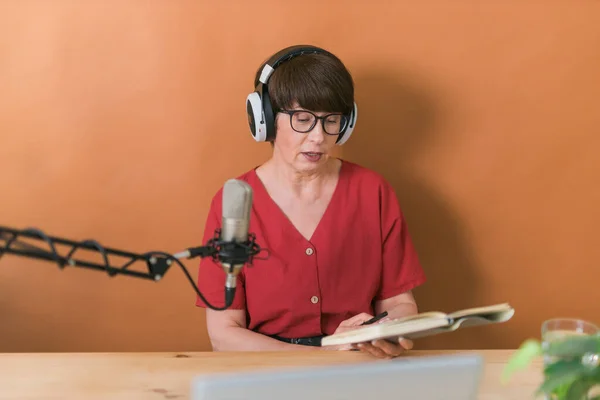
(318, 82)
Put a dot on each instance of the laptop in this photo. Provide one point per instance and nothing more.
(448, 377)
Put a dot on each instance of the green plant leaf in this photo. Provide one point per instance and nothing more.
(568, 376)
(560, 367)
(556, 383)
(579, 389)
(522, 358)
(573, 346)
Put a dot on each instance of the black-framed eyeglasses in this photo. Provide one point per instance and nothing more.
(304, 121)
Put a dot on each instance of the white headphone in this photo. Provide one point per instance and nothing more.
(258, 103)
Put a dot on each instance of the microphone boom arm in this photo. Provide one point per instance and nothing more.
(158, 263)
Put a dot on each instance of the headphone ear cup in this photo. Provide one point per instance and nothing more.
(256, 119)
(344, 136)
(268, 115)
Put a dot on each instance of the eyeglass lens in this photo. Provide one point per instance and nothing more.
(304, 121)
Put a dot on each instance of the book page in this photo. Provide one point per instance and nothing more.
(481, 319)
(469, 318)
(424, 324)
(488, 311)
(387, 330)
(425, 315)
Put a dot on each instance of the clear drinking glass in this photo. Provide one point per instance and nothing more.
(560, 328)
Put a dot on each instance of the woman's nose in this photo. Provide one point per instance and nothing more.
(317, 134)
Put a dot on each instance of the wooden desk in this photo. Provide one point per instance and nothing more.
(163, 376)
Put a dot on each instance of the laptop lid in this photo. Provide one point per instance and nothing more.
(453, 377)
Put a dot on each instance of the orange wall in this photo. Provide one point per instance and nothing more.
(118, 123)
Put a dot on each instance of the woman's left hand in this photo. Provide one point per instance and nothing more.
(385, 349)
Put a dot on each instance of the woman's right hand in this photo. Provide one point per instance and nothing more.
(378, 348)
(348, 325)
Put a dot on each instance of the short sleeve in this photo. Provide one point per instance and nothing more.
(401, 270)
(211, 277)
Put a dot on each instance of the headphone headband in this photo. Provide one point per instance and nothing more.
(285, 55)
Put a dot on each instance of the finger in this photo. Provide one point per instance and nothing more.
(356, 320)
(388, 348)
(341, 347)
(406, 343)
(367, 348)
(372, 350)
(359, 318)
(346, 347)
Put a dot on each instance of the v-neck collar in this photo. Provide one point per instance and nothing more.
(272, 204)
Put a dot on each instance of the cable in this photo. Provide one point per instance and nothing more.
(158, 262)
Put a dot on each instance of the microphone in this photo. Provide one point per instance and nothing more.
(237, 203)
(233, 246)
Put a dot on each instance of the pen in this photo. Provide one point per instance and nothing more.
(375, 318)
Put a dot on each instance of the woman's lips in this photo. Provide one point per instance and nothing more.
(312, 156)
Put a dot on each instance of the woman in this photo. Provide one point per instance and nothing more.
(338, 247)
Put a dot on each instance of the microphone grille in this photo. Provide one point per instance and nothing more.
(237, 199)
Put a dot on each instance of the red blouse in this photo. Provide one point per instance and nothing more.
(360, 252)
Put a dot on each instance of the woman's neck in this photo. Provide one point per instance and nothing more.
(306, 185)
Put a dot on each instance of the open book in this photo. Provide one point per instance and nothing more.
(424, 324)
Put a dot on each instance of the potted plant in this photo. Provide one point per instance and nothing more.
(571, 366)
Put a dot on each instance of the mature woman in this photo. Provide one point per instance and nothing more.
(339, 248)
